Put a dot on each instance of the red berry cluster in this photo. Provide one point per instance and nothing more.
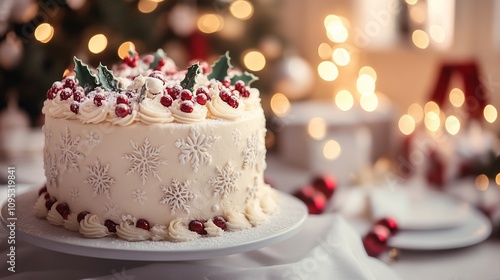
(375, 241)
(132, 59)
(188, 99)
(61, 208)
(198, 226)
(231, 93)
(66, 89)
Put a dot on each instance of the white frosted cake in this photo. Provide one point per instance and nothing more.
(158, 155)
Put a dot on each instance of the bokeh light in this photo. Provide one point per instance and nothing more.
(452, 125)
(416, 112)
(420, 39)
(331, 150)
(344, 100)
(431, 106)
(369, 102)
(406, 124)
(368, 71)
(437, 33)
(324, 51)
(457, 97)
(98, 43)
(341, 56)
(316, 128)
(365, 84)
(482, 182)
(490, 113)
(432, 121)
(241, 9)
(254, 60)
(280, 104)
(210, 23)
(147, 6)
(335, 29)
(44, 32)
(328, 71)
(124, 48)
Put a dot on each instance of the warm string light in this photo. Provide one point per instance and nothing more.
(482, 182)
(241, 9)
(147, 6)
(316, 128)
(44, 32)
(254, 60)
(344, 100)
(280, 105)
(210, 23)
(124, 48)
(332, 150)
(328, 71)
(420, 39)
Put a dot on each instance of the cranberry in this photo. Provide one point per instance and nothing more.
(202, 90)
(98, 98)
(142, 223)
(220, 222)
(233, 102)
(129, 93)
(63, 210)
(122, 99)
(70, 82)
(245, 92)
(187, 106)
(160, 64)
(78, 93)
(225, 94)
(42, 190)
(166, 100)
(122, 110)
(74, 107)
(110, 225)
(49, 202)
(158, 75)
(201, 99)
(81, 216)
(131, 59)
(174, 91)
(66, 93)
(197, 226)
(226, 82)
(186, 94)
(239, 85)
(54, 89)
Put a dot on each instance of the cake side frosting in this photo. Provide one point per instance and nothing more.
(145, 161)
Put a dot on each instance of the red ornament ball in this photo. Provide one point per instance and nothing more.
(390, 224)
(326, 184)
(313, 198)
(375, 241)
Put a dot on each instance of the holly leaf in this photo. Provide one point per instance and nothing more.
(159, 55)
(246, 77)
(84, 75)
(220, 67)
(189, 80)
(106, 78)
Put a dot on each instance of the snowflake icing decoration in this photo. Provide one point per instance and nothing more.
(69, 157)
(99, 179)
(236, 134)
(139, 196)
(74, 193)
(251, 152)
(51, 170)
(225, 181)
(253, 191)
(194, 149)
(177, 196)
(145, 160)
(92, 139)
(111, 211)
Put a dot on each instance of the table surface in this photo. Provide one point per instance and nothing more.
(479, 261)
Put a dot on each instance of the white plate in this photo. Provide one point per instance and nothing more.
(420, 209)
(39, 232)
(476, 228)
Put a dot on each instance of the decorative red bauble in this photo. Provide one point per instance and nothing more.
(325, 184)
(390, 224)
(314, 199)
(375, 241)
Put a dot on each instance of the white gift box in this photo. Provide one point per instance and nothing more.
(362, 137)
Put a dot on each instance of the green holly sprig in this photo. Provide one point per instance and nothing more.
(90, 80)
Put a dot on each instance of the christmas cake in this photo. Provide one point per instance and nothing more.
(146, 152)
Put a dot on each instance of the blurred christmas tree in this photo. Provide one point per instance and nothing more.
(38, 39)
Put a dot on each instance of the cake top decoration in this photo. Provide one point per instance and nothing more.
(150, 90)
